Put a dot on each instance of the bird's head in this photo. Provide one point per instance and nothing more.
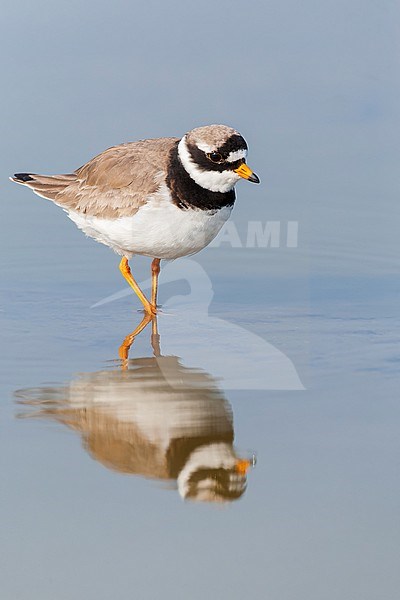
(215, 157)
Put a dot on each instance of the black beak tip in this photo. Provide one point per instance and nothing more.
(254, 178)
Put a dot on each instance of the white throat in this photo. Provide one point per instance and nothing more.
(209, 180)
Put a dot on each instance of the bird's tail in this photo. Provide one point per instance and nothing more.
(47, 186)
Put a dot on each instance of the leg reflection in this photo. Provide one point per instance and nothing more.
(155, 338)
(128, 341)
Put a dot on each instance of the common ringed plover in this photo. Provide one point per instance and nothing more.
(164, 198)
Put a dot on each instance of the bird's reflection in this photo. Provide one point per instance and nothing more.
(153, 417)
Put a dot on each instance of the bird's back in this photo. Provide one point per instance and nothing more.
(113, 184)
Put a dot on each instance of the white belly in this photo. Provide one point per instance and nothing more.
(159, 229)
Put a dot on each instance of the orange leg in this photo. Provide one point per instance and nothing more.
(126, 272)
(155, 271)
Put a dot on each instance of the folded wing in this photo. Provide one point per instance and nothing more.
(113, 184)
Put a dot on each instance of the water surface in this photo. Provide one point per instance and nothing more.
(251, 451)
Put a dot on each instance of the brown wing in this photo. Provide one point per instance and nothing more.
(113, 184)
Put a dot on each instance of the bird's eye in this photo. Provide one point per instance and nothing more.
(215, 157)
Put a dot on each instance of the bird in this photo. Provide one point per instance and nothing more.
(164, 198)
(157, 419)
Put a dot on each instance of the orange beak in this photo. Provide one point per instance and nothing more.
(242, 466)
(245, 172)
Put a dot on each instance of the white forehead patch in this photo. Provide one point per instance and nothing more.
(237, 155)
(204, 147)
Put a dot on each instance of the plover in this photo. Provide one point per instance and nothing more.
(158, 419)
(164, 198)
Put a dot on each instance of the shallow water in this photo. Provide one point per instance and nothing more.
(248, 448)
(249, 445)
